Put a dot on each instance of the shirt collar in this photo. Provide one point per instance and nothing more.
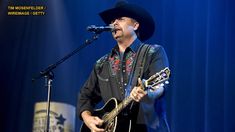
(133, 47)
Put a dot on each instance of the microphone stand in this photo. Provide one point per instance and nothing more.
(48, 74)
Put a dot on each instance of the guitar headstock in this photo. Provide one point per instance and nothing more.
(158, 78)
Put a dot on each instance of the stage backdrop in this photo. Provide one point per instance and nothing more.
(198, 36)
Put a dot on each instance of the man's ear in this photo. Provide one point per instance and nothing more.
(136, 25)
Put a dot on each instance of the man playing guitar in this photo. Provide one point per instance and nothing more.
(136, 106)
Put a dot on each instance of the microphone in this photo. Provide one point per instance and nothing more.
(99, 29)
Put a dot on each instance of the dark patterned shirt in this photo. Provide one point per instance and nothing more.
(110, 77)
(121, 64)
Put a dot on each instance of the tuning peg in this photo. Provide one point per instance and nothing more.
(167, 82)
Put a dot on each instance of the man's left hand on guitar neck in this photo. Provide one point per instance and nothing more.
(138, 94)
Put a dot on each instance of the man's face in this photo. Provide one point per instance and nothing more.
(124, 28)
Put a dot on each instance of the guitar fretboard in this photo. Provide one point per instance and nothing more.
(117, 110)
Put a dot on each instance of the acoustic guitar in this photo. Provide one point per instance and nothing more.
(108, 113)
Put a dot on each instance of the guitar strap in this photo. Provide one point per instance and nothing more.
(137, 68)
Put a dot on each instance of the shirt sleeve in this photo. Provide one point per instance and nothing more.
(158, 61)
(154, 108)
(89, 94)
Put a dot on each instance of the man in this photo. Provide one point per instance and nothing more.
(111, 74)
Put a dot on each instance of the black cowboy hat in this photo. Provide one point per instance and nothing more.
(125, 9)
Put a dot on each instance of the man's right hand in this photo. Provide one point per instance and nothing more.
(92, 121)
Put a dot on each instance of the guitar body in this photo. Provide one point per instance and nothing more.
(110, 125)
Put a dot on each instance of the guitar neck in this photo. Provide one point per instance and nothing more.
(154, 80)
(119, 108)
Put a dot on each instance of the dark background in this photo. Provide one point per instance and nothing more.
(198, 36)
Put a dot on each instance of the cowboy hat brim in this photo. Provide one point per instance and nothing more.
(147, 25)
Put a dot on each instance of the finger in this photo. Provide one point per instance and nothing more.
(137, 99)
(133, 95)
(141, 96)
(134, 89)
(98, 121)
(94, 128)
(141, 91)
(133, 92)
(140, 82)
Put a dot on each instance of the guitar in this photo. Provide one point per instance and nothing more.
(108, 113)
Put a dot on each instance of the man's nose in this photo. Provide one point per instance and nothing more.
(115, 21)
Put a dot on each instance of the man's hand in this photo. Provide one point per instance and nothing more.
(137, 92)
(92, 122)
